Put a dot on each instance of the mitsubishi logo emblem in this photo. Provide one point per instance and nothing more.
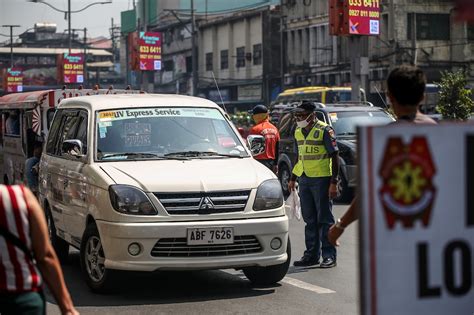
(206, 205)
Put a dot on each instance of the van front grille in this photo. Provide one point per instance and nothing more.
(204, 203)
(177, 247)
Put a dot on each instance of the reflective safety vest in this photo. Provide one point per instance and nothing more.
(313, 158)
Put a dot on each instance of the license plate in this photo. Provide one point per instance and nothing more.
(206, 236)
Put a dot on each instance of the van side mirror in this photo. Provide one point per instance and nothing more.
(256, 144)
(72, 147)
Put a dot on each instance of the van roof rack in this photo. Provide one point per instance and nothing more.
(351, 103)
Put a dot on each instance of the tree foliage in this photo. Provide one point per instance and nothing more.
(455, 101)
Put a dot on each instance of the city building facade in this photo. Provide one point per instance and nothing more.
(421, 32)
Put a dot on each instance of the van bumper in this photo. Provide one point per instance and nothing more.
(116, 238)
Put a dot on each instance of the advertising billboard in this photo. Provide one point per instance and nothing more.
(72, 66)
(149, 51)
(13, 80)
(417, 219)
(354, 17)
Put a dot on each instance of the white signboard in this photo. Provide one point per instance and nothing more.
(417, 219)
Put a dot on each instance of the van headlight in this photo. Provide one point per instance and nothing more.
(130, 200)
(269, 195)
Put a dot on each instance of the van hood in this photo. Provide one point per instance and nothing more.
(189, 175)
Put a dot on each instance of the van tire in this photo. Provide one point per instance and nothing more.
(98, 278)
(284, 176)
(61, 247)
(269, 275)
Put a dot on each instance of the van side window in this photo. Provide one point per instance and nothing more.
(53, 133)
(82, 130)
(68, 129)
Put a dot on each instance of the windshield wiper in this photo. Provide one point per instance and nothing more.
(200, 154)
(346, 134)
(135, 155)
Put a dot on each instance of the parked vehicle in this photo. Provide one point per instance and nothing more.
(160, 182)
(25, 119)
(344, 118)
(322, 94)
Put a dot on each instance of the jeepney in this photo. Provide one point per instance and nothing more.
(25, 119)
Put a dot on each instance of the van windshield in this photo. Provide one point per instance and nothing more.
(159, 132)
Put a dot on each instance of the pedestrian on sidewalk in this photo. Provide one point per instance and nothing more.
(317, 169)
(27, 257)
(265, 128)
(406, 90)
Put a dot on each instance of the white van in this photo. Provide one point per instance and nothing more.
(160, 182)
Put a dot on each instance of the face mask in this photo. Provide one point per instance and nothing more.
(304, 123)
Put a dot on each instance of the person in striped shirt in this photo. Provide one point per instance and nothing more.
(27, 256)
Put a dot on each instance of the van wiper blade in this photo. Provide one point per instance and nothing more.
(138, 155)
(200, 154)
(346, 134)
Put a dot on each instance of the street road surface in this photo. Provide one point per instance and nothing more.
(302, 291)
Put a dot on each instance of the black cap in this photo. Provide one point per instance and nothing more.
(259, 109)
(304, 106)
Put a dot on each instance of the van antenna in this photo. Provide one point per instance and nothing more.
(218, 91)
(380, 95)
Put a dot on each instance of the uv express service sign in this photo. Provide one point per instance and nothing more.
(417, 219)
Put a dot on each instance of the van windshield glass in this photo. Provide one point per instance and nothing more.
(159, 132)
(346, 123)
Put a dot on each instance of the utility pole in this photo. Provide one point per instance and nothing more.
(282, 49)
(359, 65)
(146, 74)
(86, 77)
(11, 42)
(84, 48)
(69, 23)
(194, 50)
(112, 35)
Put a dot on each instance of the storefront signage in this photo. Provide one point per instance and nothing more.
(249, 92)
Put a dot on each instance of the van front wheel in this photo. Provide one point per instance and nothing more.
(97, 277)
(271, 274)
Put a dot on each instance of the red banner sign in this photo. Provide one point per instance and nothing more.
(149, 51)
(364, 17)
(354, 17)
(73, 68)
(14, 80)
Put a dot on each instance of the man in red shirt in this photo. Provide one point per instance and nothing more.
(263, 127)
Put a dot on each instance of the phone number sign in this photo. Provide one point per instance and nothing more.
(364, 17)
(149, 51)
(14, 80)
(73, 68)
(417, 219)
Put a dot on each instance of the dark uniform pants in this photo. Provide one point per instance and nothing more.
(316, 209)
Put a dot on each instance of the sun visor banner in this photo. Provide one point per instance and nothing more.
(108, 116)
